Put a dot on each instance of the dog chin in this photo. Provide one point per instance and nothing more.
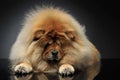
(53, 58)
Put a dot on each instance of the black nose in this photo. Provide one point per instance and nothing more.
(54, 53)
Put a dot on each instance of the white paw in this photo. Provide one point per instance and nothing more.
(66, 70)
(23, 68)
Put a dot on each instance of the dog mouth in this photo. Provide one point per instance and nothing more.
(53, 56)
(53, 61)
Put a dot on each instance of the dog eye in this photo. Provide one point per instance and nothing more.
(41, 31)
(35, 39)
(38, 34)
(70, 34)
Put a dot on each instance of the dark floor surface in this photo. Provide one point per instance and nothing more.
(109, 71)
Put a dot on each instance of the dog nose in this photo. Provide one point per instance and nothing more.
(54, 52)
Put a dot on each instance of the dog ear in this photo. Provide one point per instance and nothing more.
(70, 34)
(38, 34)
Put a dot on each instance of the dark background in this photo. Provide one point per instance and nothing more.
(101, 19)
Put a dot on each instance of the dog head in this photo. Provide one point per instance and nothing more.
(54, 36)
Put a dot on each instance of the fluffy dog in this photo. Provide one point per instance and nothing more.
(52, 40)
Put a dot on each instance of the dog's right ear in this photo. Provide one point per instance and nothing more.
(38, 34)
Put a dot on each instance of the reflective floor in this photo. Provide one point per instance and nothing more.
(109, 69)
(41, 76)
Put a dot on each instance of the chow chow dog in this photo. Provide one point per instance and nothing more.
(52, 40)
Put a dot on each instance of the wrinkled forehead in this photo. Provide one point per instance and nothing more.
(53, 25)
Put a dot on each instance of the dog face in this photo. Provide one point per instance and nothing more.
(54, 36)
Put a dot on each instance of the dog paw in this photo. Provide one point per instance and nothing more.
(66, 70)
(23, 68)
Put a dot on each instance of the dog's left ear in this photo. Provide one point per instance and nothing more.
(71, 35)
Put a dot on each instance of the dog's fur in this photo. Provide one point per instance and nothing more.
(45, 30)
